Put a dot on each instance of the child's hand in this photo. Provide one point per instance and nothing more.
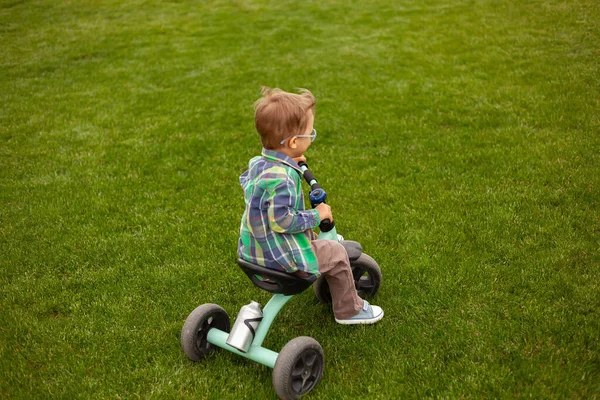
(324, 212)
(298, 159)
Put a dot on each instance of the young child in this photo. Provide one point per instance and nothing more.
(276, 230)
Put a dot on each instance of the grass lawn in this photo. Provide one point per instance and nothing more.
(459, 142)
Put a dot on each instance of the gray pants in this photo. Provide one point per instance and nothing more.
(335, 266)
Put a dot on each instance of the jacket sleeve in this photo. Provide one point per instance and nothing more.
(284, 217)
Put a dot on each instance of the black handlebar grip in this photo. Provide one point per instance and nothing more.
(326, 225)
(309, 177)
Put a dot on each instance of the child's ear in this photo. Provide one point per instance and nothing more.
(292, 142)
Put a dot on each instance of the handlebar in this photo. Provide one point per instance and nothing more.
(317, 195)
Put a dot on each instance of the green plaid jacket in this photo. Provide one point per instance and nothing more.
(275, 231)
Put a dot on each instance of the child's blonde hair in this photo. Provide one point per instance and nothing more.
(279, 115)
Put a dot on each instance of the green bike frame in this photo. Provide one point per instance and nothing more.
(256, 352)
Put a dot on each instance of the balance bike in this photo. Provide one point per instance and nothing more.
(299, 366)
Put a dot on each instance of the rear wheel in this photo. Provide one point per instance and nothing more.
(298, 368)
(367, 279)
(194, 335)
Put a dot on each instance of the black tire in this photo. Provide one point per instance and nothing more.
(367, 279)
(322, 291)
(298, 368)
(367, 276)
(195, 330)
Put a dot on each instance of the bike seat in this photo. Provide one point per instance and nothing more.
(273, 281)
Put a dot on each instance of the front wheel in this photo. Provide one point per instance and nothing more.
(367, 279)
(194, 335)
(298, 368)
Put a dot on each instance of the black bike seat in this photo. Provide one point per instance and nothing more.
(273, 281)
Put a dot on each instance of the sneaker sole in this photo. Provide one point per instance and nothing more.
(359, 321)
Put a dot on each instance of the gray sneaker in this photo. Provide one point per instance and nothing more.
(368, 315)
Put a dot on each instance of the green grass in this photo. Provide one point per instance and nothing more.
(458, 140)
